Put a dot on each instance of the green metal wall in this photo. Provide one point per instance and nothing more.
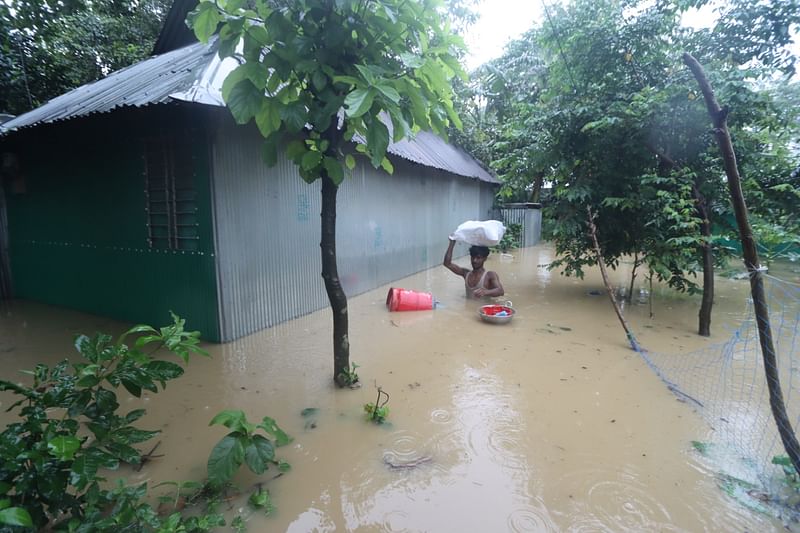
(77, 230)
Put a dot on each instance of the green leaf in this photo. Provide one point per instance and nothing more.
(134, 415)
(359, 101)
(269, 152)
(5, 487)
(16, 516)
(244, 101)
(377, 141)
(163, 370)
(132, 435)
(350, 80)
(131, 387)
(225, 459)
(319, 79)
(369, 72)
(205, 20)
(399, 124)
(387, 165)
(782, 460)
(411, 60)
(147, 339)
(140, 328)
(283, 466)
(260, 499)
(311, 160)
(258, 453)
(124, 453)
(389, 92)
(271, 427)
(294, 116)
(106, 400)
(233, 419)
(350, 161)
(295, 150)
(84, 469)
(63, 447)
(334, 169)
(309, 176)
(259, 34)
(268, 118)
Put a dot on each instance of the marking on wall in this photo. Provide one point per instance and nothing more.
(303, 208)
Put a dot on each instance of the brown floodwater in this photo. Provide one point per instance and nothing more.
(547, 423)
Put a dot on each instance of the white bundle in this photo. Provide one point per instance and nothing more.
(479, 232)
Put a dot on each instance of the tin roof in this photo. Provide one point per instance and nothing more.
(195, 74)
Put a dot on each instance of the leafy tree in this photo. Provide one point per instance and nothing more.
(316, 74)
(596, 102)
(48, 48)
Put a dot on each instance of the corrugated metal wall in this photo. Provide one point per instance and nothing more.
(530, 218)
(268, 234)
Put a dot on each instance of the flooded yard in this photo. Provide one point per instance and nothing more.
(548, 423)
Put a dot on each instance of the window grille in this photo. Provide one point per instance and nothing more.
(170, 194)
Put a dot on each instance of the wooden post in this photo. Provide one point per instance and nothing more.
(602, 264)
(719, 117)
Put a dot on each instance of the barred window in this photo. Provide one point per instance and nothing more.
(170, 194)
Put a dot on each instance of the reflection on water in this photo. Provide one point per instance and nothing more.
(547, 423)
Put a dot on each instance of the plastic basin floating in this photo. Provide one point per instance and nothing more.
(496, 314)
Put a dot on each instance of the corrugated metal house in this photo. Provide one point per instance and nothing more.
(138, 194)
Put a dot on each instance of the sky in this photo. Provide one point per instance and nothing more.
(500, 21)
(503, 20)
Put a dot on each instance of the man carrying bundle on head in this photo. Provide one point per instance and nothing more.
(478, 282)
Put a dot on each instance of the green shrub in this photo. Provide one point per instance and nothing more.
(69, 432)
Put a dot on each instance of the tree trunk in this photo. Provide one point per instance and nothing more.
(633, 275)
(536, 193)
(750, 253)
(602, 264)
(330, 273)
(704, 316)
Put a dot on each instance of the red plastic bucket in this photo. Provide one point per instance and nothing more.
(408, 300)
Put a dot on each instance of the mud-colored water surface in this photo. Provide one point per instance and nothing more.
(547, 423)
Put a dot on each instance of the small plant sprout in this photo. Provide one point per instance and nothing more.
(349, 378)
(260, 499)
(378, 411)
(791, 477)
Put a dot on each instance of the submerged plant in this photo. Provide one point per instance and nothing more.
(349, 377)
(790, 476)
(48, 457)
(260, 499)
(244, 445)
(378, 411)
(701, 447)
(52, 460)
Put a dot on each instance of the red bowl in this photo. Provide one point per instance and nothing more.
(489, 313)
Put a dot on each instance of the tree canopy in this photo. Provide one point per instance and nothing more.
(49, 48)
(597, 102)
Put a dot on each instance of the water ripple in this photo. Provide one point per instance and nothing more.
(441, 416)
(527, 519)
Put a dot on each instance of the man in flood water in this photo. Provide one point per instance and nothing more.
(478, 283)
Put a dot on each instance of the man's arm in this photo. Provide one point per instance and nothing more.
(495, 288)
(448, 261)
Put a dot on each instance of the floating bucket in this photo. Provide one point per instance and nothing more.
(408, 300)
